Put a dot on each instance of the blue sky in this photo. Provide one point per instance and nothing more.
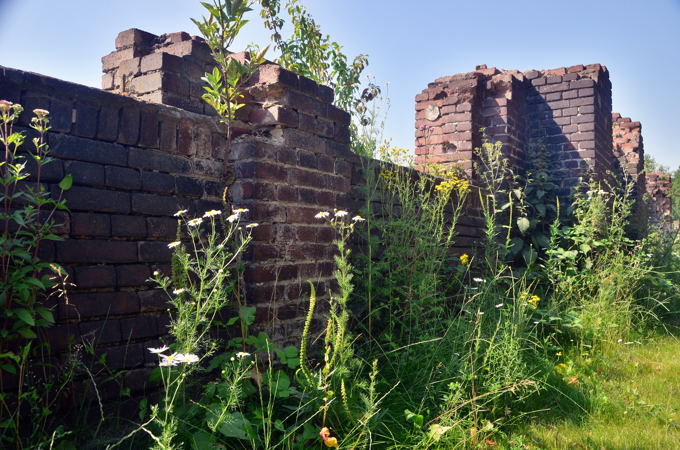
(409, 44)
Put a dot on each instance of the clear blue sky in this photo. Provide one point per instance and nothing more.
(409, 44)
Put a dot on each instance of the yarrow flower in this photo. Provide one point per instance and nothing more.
(158, 350)
(41, 113)
(195, 222)
(341, 213)
(358, 219)
(322, 215)
(181, 212)
(174, 244)
(211, 213)
(5, 106)
(242, 354)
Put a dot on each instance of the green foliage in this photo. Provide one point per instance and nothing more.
(224, 90)
(27, 218)
(309, 52)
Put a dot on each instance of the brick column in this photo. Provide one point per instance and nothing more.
(295, 163)
(629, 154)
(164, 69)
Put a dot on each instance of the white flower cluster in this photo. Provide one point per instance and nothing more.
(338, 214)
(174, 359)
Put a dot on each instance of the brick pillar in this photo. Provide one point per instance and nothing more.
(295, 163)
(164, 69)
(570, 115)
(629, 153)
(565, 111)
(660, 203)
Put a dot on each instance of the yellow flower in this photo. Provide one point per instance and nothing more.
(464, 259)
(533, 301)
(331, 442)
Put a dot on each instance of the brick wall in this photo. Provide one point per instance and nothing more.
(658, 186)
(629, 151)
(566, 111)
(133, 165)
(136, 159)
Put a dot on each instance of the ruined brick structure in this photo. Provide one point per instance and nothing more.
(146, 146)
(565, 112)
(660, 204)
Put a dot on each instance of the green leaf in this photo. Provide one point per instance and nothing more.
(27, 333)
(25, 316)
(66, 183)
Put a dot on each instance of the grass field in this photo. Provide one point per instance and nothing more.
(636, 402)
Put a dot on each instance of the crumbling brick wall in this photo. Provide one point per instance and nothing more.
(137, 158)
(565, 111)
(628, 149)
(658, 186)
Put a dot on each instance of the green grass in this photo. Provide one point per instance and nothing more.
(636, 392)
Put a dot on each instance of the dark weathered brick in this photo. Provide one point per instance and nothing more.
(128, 130)
(158, 182)
(154, 251)
(85, 173)
(189, 186)
(95, 276)
(100, 200)
(101, 332)
(107, 123)
(96, 251)
(142, 326)
(157, 205)
(132, 275)
(123, 178)
(128, 226)
(162, 227)
(99, 304)
(155, 160)
(71, 147)
(88, 224)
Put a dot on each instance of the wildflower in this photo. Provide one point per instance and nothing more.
(181, 212)
(341, 213)
(328, 440)
(233, 218)
(41, 113)
(424, 127)
(464, 259)
(558, 354)
(179, 291)
(156, 273)
(478, 280)
(5, 106)
(174, 244)
(169, 360)
(211, 213)
(195, 222)
(158, 350)
(242, 354)
(322, 215)
(358, 219)
(252, 225)
(186, 358)
(240, 210)
(533, 301)
(500, 305)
